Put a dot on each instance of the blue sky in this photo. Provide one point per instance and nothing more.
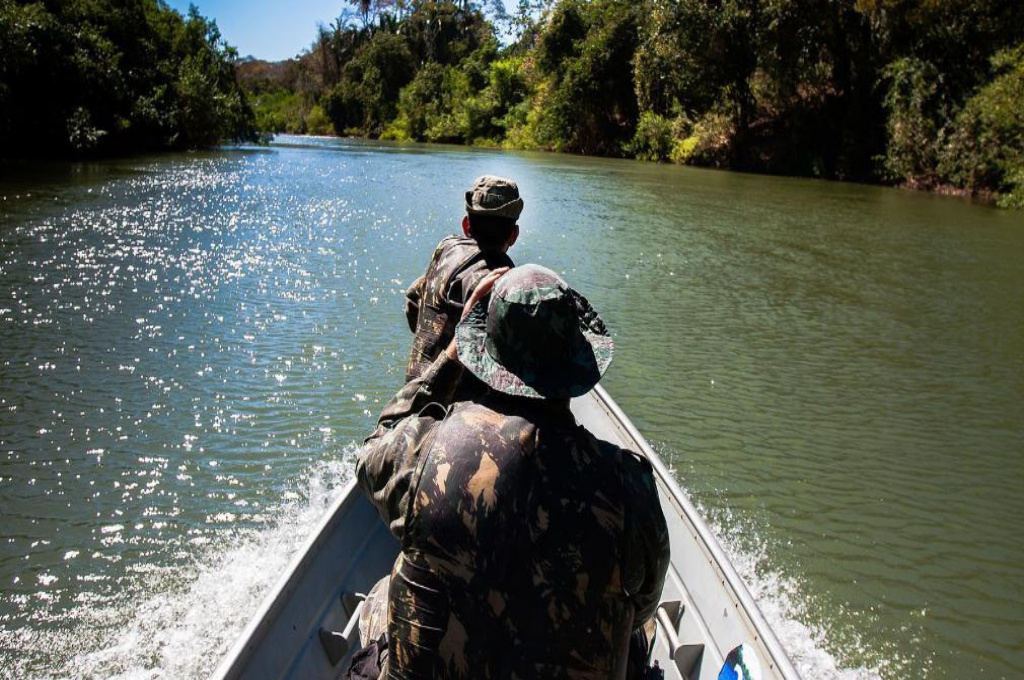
(269, 29)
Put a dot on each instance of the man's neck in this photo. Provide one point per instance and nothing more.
(548, 407)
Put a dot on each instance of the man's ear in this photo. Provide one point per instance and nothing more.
(465, 226)
(515, 236)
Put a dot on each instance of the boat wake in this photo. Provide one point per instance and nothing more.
(817, 647)
(182, 631)
(786, 607)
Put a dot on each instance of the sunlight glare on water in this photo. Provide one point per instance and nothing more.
(192, 346)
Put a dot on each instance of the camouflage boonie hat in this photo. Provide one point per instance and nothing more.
(537, 337)
(495, 196)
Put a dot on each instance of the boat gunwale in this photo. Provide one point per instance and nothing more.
(275, 599)
(711, 545)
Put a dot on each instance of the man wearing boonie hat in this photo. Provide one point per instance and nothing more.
(530, 548)
(435, 301)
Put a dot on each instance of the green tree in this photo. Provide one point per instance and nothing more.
(586, 101)
(108, 76)
(907, 91)
(985, 143)
(366, 97)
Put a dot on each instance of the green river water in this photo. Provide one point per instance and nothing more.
(192, 345)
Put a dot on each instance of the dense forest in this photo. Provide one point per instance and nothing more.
(923, 93)
(84, 77)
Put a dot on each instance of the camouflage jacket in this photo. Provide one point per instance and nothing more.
(530, 549)
(434, 302)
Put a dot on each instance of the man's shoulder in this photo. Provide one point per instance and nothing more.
(634, 468)
(450, 252)
(453, 241)
(480, 413)
(472, 423)
(629, 457)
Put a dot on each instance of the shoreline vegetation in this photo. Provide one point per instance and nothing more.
(924, 94)
(81, 78)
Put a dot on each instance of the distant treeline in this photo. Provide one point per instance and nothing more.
(113, 76)
(927, 93)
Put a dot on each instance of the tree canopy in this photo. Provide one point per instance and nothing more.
(920, 92)
(112, 76)
(925, 93)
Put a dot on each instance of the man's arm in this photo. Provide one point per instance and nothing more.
(436, 385)
(414, 293)
(648, 540)
(413, 297)
(385, 463)
(406, 426)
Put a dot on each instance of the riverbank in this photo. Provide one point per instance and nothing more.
(871, 92)
(978, 196)
(983, 196)
(908, 93)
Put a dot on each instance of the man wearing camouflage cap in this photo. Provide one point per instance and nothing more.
(435, 301)
(530, 549)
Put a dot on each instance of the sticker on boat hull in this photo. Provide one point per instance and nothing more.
(741, 664)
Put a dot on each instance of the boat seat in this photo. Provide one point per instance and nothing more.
(686, 657)
(337, 644)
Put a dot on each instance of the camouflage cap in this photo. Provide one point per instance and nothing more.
(536, 337)
(495, 196)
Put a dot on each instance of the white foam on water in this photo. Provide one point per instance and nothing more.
(785, 605)
(183, 632)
